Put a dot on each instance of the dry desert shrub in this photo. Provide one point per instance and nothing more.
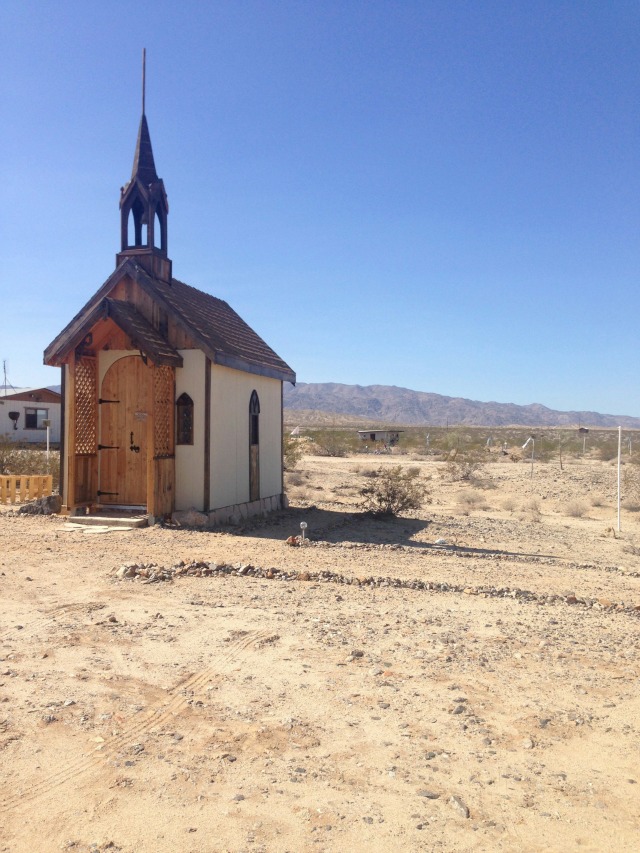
(467, 470)
(508, 504)
(531, 505)
(334, 442)
(300, 495)
(530, 510)
(394, 490)
(597, 500)
(575, 509)
(291, 451)
(369, 472)
(631, 488)
(608, 451)
(294, 479)
(469, 500)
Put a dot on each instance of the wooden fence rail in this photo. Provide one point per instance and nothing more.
(18, 488)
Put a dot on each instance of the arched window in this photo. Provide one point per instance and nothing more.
(136, 228)
(184, 412)
(158, 232)
(254, 420)
(254, 447)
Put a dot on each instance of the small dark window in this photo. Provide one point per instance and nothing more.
(184, 410)
(254, 419)
(34, 418)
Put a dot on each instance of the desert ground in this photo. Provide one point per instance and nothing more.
(461, 678)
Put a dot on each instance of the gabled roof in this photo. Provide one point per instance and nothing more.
(45, 394)
(141, 332)
(210, 322)
(222, 333)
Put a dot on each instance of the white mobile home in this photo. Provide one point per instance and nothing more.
(24, 415)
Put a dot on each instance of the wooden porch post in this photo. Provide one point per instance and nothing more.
(70, 439)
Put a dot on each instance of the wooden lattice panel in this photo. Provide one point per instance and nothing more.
(163, 390)
(86, 407)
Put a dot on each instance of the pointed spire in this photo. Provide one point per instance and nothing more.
(144, 205)
(144, 166)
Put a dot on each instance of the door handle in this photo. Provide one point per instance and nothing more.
(133, 447)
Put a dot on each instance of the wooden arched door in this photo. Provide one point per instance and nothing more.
(125, 410)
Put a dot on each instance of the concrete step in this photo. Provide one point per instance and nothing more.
(102, 519)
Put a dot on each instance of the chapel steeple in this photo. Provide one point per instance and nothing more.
(144, 206)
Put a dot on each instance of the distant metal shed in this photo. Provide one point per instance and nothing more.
(389, 437)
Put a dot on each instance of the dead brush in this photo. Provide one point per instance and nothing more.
(631, 488)
(530, 510)
(468, 501)
(300, 496)
(575, 509)
(464, 470)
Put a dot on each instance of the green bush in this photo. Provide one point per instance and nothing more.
(291, 451)
(335, 442)
(393, 490)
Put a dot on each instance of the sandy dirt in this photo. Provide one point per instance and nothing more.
(485, 697)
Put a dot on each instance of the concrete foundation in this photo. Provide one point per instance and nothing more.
(233, 514)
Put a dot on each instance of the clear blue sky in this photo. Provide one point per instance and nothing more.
(439, 195)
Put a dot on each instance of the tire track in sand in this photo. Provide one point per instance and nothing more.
(176, 700)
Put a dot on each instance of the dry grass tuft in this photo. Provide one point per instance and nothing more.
(469, 500)
(575, 509)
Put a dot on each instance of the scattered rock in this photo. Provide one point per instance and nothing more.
(459, 805)
(430, 795)
(49, 505)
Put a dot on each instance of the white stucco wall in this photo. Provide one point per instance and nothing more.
(230, 396)
(190, 379)
(30, 435)
(229, 460)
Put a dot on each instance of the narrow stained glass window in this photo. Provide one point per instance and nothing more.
(184, 428)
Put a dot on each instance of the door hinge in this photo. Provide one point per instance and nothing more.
(107, 493)
(100, 400)
(108, 447)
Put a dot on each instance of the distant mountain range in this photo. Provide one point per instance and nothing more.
(386, 404)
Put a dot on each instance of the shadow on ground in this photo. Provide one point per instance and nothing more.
(341, 526)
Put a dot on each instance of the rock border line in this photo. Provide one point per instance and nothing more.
(153, 573)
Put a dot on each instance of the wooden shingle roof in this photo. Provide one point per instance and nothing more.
(142, 333)
(222, 333)
(210, 322)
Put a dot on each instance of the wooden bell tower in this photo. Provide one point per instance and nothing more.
(144, 207)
